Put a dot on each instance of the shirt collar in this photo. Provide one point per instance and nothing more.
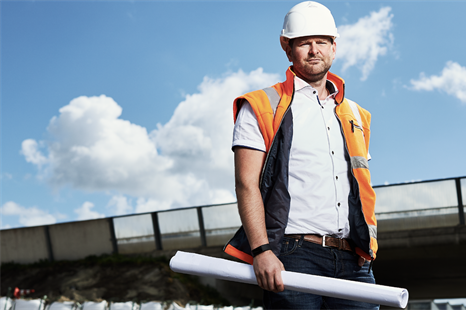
(300, 84)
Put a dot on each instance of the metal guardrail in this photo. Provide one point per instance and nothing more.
(158, 234)
(455, 201)
(424, 189)
(399, 206)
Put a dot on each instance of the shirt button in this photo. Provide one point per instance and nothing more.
(340, 229)
(332, 154)
(314, 92)
(338, 204)
(337, 177)
(328, 128)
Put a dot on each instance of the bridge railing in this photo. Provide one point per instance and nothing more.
(406, 206)
(174, 229)
(414, 205)
(423, 204)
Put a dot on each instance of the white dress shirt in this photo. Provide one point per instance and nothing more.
(318, 167)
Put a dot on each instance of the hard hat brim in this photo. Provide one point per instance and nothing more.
(285, 40)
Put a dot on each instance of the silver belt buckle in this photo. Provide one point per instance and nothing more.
(323, 242)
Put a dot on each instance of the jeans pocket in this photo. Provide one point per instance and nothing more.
(289, 245)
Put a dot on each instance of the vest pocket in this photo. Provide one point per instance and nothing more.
(354, 126)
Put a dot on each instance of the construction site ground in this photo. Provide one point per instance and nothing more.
(110, 277)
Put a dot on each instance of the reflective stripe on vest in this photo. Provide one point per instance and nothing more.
(274, 98)
(355, 124)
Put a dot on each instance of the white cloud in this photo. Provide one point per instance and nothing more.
(185, 162)
(7, 176)
(30, 150)
(150, 205)
(27, 216)
(120, 205)
(452, 81)
(85, 212)
(361, 44)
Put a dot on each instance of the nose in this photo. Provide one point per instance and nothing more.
(313, 50)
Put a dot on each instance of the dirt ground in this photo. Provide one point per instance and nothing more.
(127, 280)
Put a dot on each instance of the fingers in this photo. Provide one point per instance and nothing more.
(268, 268)
(270, 280)
(361, 261)
(279, 286)
(274, 282)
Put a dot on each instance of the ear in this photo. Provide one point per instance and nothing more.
(289, 52)
(334, 49)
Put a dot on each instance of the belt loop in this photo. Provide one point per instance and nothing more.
(301, 240)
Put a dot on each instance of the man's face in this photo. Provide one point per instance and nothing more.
(312, 57)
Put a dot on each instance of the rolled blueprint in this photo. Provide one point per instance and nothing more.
(201, 265)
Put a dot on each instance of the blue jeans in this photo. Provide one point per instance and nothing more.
(306, 257)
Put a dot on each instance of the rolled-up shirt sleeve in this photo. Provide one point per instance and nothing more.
(246, 132)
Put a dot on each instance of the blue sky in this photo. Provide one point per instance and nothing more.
(118, 107)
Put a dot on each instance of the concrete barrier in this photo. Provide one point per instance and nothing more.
(77, 240)
(419, 222)
(24, 245)
(219, 239)
(136, 247)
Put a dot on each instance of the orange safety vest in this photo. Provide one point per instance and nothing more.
(270, 106)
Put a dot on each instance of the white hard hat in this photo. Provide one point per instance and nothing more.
(308, 18)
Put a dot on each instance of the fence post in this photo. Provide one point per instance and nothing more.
(200, 218)
(460, 200)
(48, 242)
(113, 235)
(157, 235)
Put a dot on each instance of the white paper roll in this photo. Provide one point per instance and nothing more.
(201, 265)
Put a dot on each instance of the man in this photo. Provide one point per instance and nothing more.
(302, 178)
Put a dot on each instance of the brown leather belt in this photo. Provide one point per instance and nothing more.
(325, 241)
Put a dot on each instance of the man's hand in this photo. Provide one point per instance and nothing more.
(268, 268)
(361, 261)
